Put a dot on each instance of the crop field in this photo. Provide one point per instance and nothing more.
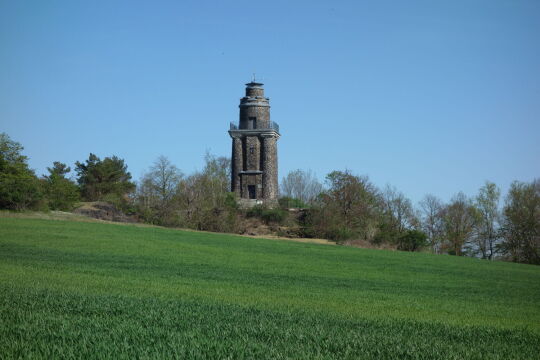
(72, 289)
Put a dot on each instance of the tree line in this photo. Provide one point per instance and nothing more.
(346, 207)
(352, 207)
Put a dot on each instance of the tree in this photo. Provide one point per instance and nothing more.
(487, 203)
(19, 186)
(10, 151)
(349, 208)
(60, 192)
(204, 197)
(59, 169)
(459, 223)
(398, 215)
(100, 178)
(431, 209)
(156, 191)
(521, 223)
(217, 177)
(301, 185)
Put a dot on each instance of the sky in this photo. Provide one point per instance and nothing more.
(427, 96)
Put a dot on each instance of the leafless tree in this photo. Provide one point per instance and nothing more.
(203, 197)
(302, 185)
(399, 210)
(157, 189)
(431, 210)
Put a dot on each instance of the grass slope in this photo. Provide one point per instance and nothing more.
(76, 289)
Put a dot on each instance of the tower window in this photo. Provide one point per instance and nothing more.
(252, 122)
(251, 149)
(252, 191)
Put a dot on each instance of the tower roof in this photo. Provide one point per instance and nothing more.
(254, 84)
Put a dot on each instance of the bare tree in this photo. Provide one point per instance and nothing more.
(301, 185)
(204, 197)
(431, 209)
(487, 203)
(399, 210)
(216, 178)
(157, 189)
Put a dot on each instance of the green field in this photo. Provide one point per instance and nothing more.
(95, 290)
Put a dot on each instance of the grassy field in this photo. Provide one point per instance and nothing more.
(96, 290)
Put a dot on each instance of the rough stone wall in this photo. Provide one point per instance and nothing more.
(270, 171)
(252, 151)
(237, 163)
(251, 179)
(262, 113)
(254, 91)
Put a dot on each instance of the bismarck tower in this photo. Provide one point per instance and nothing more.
(254, 150)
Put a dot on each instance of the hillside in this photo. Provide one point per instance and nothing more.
(83, 289)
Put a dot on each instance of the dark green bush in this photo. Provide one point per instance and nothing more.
(412, 240)
(339, 233)
(274, 215)
(255, 211)
(61, 193)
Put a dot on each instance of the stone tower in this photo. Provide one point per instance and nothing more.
(254, 150)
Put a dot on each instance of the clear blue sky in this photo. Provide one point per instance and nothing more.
(429, 96)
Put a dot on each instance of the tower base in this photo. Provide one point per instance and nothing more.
(249, 203)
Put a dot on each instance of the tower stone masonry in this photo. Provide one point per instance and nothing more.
(254, 150)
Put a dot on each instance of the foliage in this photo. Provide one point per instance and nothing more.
(255, 211)
(98, 178)
(460, 219)
(19, 187)
(274, 215)
(60, 192)
(412, 240)
(487, 204)
(521, 223)
(91, 290)
(267, 215)
(350, 207)
(338, 233)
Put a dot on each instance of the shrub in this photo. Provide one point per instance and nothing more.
(412, 240)
(60, 192)
(339, 233)
(274, 215)
(255, 211)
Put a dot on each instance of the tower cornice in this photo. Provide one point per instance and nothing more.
(254, 132)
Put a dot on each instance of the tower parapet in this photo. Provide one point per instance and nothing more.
(254, 150)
